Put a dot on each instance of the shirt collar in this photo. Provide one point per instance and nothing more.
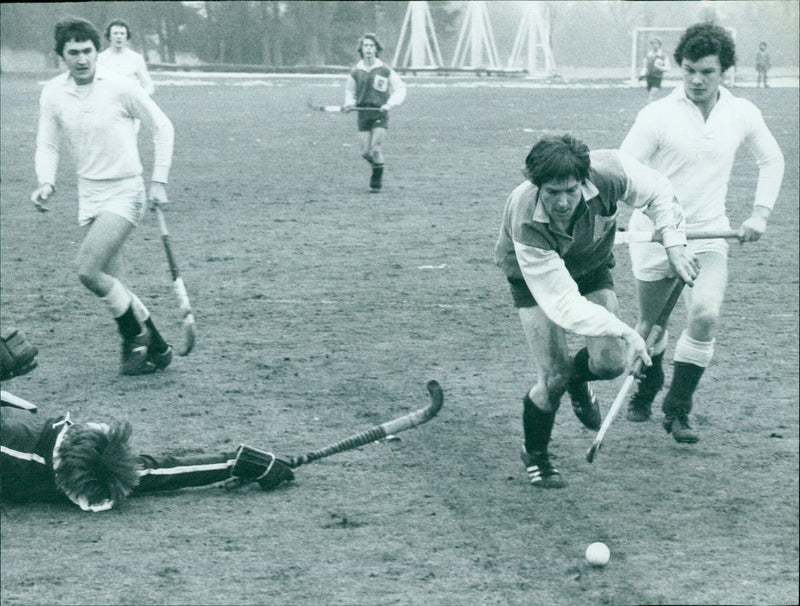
(588, 191)
(72, 87)
(680, 93)
(362, 65)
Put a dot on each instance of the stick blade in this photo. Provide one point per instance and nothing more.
(592, 452)
(437, 397)
(189, 335)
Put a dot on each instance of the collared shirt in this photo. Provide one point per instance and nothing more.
(374, 86)
(98, 121)
(550, 260)
(697, 155)
(128, 63)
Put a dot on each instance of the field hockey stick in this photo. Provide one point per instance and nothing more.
(339, 108)
(9, 399)
(412, 419)
(626, 237)
(178, 286)
(653, 337)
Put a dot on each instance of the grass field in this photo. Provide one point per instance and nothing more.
(323, 309)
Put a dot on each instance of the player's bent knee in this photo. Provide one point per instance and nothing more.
(610, 368)
(556, 383)
(89, 278)
(703, 320)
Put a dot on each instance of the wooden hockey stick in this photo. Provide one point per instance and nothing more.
(626, 237)
(412, 419)
(652, 338)
(178, 286)
(339, 109)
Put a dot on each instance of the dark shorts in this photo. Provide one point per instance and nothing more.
(367, 120)
(654, 81)
(597, 280)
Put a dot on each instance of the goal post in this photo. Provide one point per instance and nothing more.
(670, 36)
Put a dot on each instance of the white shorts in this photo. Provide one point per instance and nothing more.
(124, 197)
(649, 259)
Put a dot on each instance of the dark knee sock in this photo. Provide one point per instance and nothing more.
(537, 426)
(128, 325)
(685, 378)
(377, 173)
(653, 379)
(157, 342)
(580, 368)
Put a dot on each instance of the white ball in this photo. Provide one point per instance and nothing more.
(597, 554)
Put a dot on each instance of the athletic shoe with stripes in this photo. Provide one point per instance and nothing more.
(584, 404)
(160, 359)
(134, 355)
(540, 470)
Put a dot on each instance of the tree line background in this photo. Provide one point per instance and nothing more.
(320, 33)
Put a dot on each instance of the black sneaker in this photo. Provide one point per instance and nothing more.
(134, 355)
(540, 470)
(584, 404)
(680, 429)
(649, 385)
(376, 180)
(160, 359)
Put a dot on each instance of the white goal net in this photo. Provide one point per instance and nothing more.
(669, 36)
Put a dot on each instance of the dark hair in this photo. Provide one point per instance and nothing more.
(77, 29)
(97, 464)
(120, 23)
(703, 39)
(557, 157)
(374, 38)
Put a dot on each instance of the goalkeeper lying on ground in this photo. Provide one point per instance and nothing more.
(92, 464)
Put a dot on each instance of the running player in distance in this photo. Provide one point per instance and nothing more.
(372, 83)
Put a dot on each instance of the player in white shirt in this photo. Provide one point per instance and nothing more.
(692, 136)
(95, 112)
(120, 59)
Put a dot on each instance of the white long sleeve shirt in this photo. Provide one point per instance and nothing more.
(127, 63)
(98, 121)
(551, 261)
(697, 155)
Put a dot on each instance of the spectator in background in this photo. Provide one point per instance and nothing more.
(656, 63)
(762, 64)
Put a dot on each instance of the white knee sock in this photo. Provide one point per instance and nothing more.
(694, 352)
(117, 298)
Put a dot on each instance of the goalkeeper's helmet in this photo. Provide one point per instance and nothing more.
(94, 464)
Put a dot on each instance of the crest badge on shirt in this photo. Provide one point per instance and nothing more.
(380, 83)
